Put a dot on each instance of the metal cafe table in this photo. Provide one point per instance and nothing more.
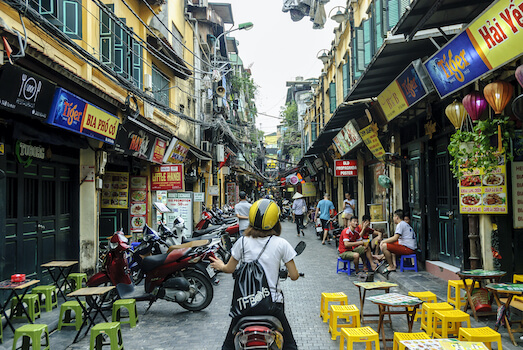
(95, 297)
(442, 344)
(64, 269)
(481, 277)
(385, 286)
(18, 291)
(394, 300)
(512, 290)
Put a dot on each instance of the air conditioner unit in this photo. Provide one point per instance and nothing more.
(208, 107)
(206, 146)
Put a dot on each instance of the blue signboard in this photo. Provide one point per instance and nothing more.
(411, 86)
(455, 65)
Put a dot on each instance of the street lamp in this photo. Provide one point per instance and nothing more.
(323, 55)
(241, 26)
(339, 16)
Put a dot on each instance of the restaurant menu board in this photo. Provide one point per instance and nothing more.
(115, 190)
(181, 205)
(138, 203)
(517, 194)
(481, 193)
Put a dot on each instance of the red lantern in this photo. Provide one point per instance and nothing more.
(475, 104)
(498, 94)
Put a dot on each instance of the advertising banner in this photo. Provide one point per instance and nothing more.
(344, 168)
(347, 139)
(308, 189)
(73, 113)
(138, 203)
(135, 141)
(181, 205)
(490, 41)
(167, 177)
(517, 194)
(158, 151)
(176, 152)
(115, 190)
(231, 193)
(370, 137)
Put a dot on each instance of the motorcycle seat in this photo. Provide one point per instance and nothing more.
(190, 244)
(153, 261)
(209, 229)
(263, 320)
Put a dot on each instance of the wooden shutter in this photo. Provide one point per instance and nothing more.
(346, 78)
(377, 17)
(358, 53)
(332, 97)
(120, 48)
(137, 64)
(393, 13)
(106, 36)
(367, 42)
(72, 18)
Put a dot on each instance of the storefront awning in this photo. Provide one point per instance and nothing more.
(200, 154)
(425, 14)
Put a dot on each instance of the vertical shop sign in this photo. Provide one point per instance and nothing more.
(167, 177)
(138, 203)
(115, 190)
(370, 137)
(517, 194)
(158, 151)
(231, 193)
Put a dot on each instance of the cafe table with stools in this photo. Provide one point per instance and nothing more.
(481, 278)
(442, 344)
(95, 297)
(511, 290)
(363, 287)
(389, 304)
(18, 291)
(63, 268)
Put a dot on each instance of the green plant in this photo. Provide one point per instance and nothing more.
(475, 149)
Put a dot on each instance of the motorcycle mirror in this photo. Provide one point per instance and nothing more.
(300, 247)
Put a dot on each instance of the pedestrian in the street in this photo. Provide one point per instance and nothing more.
(264, 224)
(242, 212)
(324, 208)
(348, 209)
(402, 243)
(299, 208)
(351, 246)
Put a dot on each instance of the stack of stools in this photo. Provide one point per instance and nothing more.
(65, 310)
(110, 329)
(359, 335)
(326, 298)
(427, 297)
(49, 293)
(427, 315)
(484, 334)
(398, 337)
(77, 278)
(130, 305)
(349, 312)
(32, 335)
(457, 300)
(450, 321)
(33, 307)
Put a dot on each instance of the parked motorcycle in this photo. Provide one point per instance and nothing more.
(285, 210)
(211, 217)
(263, 331)
(182, 275)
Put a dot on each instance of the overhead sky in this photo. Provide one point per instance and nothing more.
(279, 50)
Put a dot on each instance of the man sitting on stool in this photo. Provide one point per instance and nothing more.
(351, 246)
(402, 243)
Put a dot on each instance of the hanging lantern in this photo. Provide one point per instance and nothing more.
(498, 94)
(519, 75)
(456, 113)
(474, 104)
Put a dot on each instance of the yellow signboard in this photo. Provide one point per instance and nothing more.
(308, 189)
(392, 101)
(369, 135)
(100, 122)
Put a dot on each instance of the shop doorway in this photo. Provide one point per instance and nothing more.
(416, 197)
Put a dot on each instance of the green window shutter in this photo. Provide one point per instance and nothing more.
(346, 79)
(160, 86)
(332, 97)
(120, 49)
(393, 13)
(377, 16)
(47, 7)
(72, 19)
(106, 36)
(360, 51)
(367, 42)
(137, 64)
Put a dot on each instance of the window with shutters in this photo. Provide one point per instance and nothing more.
(160, 86)
(313, 130)
(118, 48)
(332, 97)
(395, 9)
(346, 77)
(66, 15)
(377, 17)
(367, 42)
(358, 54)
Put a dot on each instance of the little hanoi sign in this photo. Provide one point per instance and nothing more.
(344, 168)
(167, 177)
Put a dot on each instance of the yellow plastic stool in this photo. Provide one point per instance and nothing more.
(49, 293)
(33, 307)
(130, 305)
(427, 315)
(359, 335)
(398, 337)
(427, 297)
(457, 300)
(450, 322)
(517, 279)
(77, 278)
(65, 310)
(326, 298)
(32, 335)
(484, 334)
(110, 329)
(346, 312)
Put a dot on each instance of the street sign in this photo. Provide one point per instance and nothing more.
(343, 168)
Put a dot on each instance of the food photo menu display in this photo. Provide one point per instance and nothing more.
(115, 190)
(481, 193)
(138, 205)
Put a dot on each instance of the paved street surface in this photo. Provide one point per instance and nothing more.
(168, 326)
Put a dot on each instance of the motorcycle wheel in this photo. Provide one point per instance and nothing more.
(111, 297)
(201, 291)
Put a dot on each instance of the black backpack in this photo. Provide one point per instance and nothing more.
(251, 295)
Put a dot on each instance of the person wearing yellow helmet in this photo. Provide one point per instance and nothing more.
(263, 233)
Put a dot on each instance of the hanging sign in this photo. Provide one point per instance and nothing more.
(167, 177)
(347, 139)
(407, 89)
(24, 92)
(490, 41)
(369, 135)
(308, 189)
(135, 141)
(199, 197)
(176, 152)
(231, 193)
(158, 151)
(517, 194)
(344, 168)
(115, 190)
(73, 113)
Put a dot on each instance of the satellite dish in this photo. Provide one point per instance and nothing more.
(385, 181)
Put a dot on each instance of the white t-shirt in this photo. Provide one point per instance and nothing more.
(348, 209)
(242, 208)
(277, 250)
(407, 235)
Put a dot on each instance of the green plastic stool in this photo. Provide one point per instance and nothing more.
(49, 293)
(31, 335)
(65, 310)
(33, 307)
(110, 329)
(77, 278)
(130, 305)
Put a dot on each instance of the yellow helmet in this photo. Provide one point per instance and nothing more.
(264, 214)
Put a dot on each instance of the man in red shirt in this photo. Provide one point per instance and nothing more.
(351, 246)
(365, 231)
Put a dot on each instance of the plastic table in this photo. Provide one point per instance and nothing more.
(442, 344)
(64, 268)
(16, 288)
(385, 286)
(512, 289)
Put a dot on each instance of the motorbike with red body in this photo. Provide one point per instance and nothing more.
(212, 218)
(181, 275)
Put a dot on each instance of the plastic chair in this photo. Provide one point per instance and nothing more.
(450, 322)
(50, 297)
(413, 266)
(517, 279)
(427, 315)
(398, 337)
(343, 311)
(32, 335)
(33, 307)
(484, 334)
(359, 335)
(130, 305)
(326, 298)
(77, 278)
(65, 310)
(427, 296)
(457, 300)
(110, 329)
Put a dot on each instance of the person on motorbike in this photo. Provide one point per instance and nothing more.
(264, 224)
